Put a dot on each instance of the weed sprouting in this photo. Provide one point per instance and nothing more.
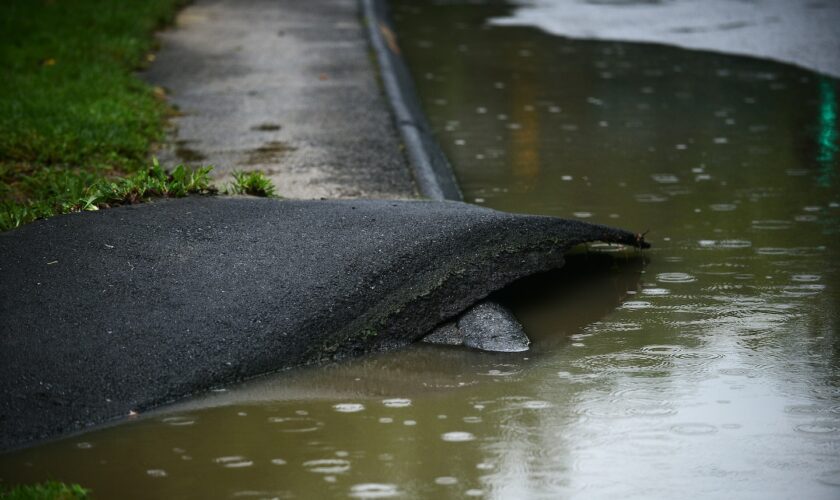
(254, 183)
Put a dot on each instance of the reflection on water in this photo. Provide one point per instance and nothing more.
(828, 143)
(712, 369)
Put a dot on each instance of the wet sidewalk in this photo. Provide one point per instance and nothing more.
(285, 87)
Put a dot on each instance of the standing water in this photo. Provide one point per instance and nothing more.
(708, 368)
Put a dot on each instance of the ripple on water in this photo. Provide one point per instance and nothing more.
(446, 480)
(650, 198)
(156, 473)
(636, 304)
(606, 247)
(327, 466)
(693, 429)
(723, 207)
(627, 403)
(831, 478)
(737, 372)
(348, 407)
(457, 436)
(374, 490)
(772, 251)
(826, 427)
(663, 350)
(805, 290)
(535, 405)
(656, 291)
(296, 424)
(499, 373)
(178, 421)
(811, 409)
(613, 326)
(771, 225)
(795, 251)
(806, 278)
(665, 178)
(675, 278)
(724, 244)
(396, 402)
(234, 462)
(625, 362)
(681, 352)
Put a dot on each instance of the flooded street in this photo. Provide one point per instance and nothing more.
(707, 367)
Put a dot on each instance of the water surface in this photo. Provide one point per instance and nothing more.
(710, 367)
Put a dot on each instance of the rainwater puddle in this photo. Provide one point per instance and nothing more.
(712, 365)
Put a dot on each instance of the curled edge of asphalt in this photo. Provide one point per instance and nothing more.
(119, 311)
(432, 171)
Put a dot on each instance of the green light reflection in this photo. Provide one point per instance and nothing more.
(827, 137)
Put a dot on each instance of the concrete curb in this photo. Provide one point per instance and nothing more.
(433, 173)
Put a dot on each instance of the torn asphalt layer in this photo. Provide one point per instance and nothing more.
(104, 313)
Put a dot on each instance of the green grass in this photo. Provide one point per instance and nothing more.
(73, 192)
(46, 491)
(76, 124)
(73, 114)
(253, 183)
(67, 191)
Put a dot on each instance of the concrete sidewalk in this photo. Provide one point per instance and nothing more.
(286, 87)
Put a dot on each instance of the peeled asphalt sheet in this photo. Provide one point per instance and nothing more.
(104, 313)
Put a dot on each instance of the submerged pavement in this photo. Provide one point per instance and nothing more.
(105, 313)
(800, 32)
(282, 86)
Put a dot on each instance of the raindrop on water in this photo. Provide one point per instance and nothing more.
(348, 407)
(327, 466)
(374, 490)
(397, 402)
(675, 278)
(693, 429)
(457, 436)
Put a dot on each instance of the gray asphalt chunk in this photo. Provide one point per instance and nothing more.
(445, 334)
(492, 327)
(488, 326)
(104, 313)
